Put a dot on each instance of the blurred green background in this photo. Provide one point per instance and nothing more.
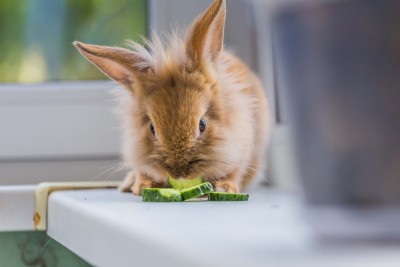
(36, 36)
(35, 249)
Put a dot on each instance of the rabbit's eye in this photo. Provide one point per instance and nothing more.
(202, 125)
(153, 131)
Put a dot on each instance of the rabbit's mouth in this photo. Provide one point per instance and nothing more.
(185, 171)
(181, 166)
(179, 173)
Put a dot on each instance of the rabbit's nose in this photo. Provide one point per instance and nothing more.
(178, 169)
(181, 169)
(177, 172)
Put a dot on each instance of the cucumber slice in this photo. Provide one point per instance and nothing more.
(183, 183)
(196, 191)
(161, 195)
(223, 196)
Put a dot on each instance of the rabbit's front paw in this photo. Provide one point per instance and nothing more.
(225, 186)
(128, 182)
(140, 183)
(144, 181)
(135, 182)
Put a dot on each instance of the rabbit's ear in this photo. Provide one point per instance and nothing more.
(205, 38)
(120, 64)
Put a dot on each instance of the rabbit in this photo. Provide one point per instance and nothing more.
(189, 108)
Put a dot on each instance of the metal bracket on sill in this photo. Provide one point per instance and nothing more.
(43, 191)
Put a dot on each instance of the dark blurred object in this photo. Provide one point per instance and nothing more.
(338, 65)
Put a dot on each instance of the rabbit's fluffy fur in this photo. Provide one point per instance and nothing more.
(172, 86)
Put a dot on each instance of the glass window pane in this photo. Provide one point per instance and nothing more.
(36, 35)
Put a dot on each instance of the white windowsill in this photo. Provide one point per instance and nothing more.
(17, 207)
(109, 228)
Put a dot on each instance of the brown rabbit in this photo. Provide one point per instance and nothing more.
(190, 109)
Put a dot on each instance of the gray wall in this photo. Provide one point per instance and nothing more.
(240, 35)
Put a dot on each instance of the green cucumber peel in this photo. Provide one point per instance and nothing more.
(161, 195)
(223, 196)
(196, 191)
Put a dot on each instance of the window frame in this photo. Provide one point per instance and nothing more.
(32, 107)
(94, 100)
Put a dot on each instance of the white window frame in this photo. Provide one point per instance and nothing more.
(32, 140)
(57, 120)
(54, 127)
(58, 131)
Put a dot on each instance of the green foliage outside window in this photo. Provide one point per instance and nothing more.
(36, 35)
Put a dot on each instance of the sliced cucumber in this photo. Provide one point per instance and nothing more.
(184, 183)
(196, 191)
(223, 196)
(161, 195)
